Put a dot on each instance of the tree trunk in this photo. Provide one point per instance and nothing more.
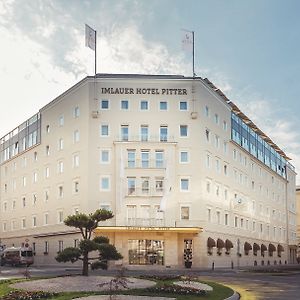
(85, 264)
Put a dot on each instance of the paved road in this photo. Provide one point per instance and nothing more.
(283, 285)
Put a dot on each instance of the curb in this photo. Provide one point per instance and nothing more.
(235, 296)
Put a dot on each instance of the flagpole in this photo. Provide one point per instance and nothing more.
(95, 53)
(193, 32)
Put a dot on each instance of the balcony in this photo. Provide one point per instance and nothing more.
(150, 138)
(144, 192)
(145, 222)
(145, 164)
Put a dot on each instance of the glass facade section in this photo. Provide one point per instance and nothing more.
(247, 138)
(20, 139)
(146, 252)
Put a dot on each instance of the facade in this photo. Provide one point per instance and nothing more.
(298, 222)
(190, 179)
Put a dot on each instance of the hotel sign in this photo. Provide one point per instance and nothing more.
(142, 91)
(148, 228)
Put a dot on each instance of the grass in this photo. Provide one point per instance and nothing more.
(219, 292)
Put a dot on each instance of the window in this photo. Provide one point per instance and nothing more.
(23, 223)
(104, 104)
(131, 158)
(104, 156)
(46, 247)
(24, 181)
(131, 185)
(163, 134)
(145, 185)
(35, 156)
(124, 132)
(144, 133)
(207, 161)
(35, 177)
(145, 158)
(47, 128)
(104, 130)
(60, 167)
(34, 221)
(159, 159)
(60, 191)
(47, 150)
(76, 112)
(226, 219)
(60, 246)
(225, 169)
(163, 105)
(184, 157)
(216, 118)
(75, 160)
(183, 105)
(159, 184)
(76, 187)
(206, 111)
(47, 172)
(207, 135)
(105, 184)
(209, 214)
(60, 217)
(218, 217)
(60, 144)
(183, 130)
(217, 141)
(46, 219)
(184, 213)
(235, 221)
(144, 105)
(61, 120)
(24, 202)
(124, 104)
(34, 199)
(225, 125)
(208, 184)
(225, 147)
(76, 136)
(184, 184)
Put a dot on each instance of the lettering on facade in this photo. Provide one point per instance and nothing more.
(148, 228)
(143, 91)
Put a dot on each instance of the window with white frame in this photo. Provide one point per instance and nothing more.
(184, 212)
(24, 181)
(163, 133)
(183, 156)
(104, 156)
(206, 111)
(60, 216)
(60, 144)
(216, 118)
(104, 104)
(131, 185)
(35, 177)
(163, 105)
(47, 150)
(207, 135)
(145, 158)
(34, 199)
(159, 158)
(105, 183)
(226, 219)
(75, 160)
(76, 186)
(159, 184)
(76, 112)
(124, 105)
(217, 141)
(124, 132)
(145, 185)
(47, 172)
(60, 191)
(76, 136)
(131, 158)
(224, 125)
(183, 105)
(60, 246)
(34, 223)
(209, 214)
(46, 247)
(183, 130)
(60, 167)
(184, 184)
(144, 133)
(144, 105)
(104, 130)
(218, 214)
(23, 223)
(61, 120)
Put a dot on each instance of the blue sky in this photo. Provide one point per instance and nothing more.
(250, 49)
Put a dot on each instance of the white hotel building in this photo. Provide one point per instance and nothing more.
(187, 175)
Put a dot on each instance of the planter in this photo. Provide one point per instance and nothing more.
(188, 264)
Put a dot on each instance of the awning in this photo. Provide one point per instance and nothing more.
(280, 248)
(129, 229)
(256, 247)
(220, 244)
(228, 244)
(271, 248)
(263, 247)
(247, 246)
(211, 243)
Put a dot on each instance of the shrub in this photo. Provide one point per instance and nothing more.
(26, 295)
(175, 289)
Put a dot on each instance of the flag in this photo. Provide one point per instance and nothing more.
(90, 37)
(187, 41)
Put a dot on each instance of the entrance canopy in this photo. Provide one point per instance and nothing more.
(128, 229)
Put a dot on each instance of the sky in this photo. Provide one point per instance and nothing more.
(248, 48)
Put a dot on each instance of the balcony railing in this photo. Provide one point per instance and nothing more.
(144, 222)
(145, 164)
(150, 192)
(150, 138)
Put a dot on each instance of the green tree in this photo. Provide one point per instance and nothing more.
(87, 224)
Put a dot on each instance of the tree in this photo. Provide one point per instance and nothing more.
(87, 224)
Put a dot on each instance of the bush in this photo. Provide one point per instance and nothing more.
(175, 289)
(25, 295)
(161, 277)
